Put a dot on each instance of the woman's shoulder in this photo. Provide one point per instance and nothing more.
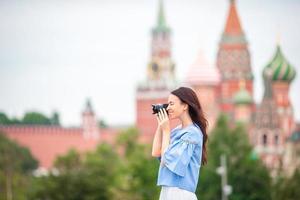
(176, 129)
(193, 134)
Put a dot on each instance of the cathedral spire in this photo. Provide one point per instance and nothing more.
(233, 25)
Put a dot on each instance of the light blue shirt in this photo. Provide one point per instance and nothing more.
(180, 164)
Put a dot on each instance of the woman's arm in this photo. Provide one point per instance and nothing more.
(165, 140)
(157, 141)
(165, 127)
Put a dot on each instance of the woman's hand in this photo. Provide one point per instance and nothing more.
(164, 124)
(163, 120)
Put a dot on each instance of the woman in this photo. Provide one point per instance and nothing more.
(183, 150)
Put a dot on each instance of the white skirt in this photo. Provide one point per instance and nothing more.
(175, 193)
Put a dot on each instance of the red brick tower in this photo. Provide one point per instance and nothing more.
(89, 122)
(160, 78)
(233, 61)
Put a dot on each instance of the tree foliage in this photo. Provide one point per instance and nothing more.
(141, 168)
(35, 118)
(125, 171)
(287, 188)
(248, 177)
(80, 177)
(31, 118)
(16, 165)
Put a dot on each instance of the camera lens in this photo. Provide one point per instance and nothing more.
(157, 107)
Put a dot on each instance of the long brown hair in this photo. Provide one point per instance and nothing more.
(188, 96)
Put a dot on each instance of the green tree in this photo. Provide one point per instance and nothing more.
(64, 184)
(15, 121)
(248, 177)
(16, 165)
(35, 118)
(103, 167)
(90, 176)
(287, 188)
(31, 118)
(4, 119)
(141, 167)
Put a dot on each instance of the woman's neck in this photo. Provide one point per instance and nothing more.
(186, 120)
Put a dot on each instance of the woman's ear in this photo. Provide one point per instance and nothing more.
(185, 106)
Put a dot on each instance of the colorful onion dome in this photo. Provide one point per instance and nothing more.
(281, 68)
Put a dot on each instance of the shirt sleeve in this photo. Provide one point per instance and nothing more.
(178, 155)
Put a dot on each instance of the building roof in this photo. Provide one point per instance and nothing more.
(233, 33)
(201, 72)
(280, 67)
(233, 25)
(242, 96)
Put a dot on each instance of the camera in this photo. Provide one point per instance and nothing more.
(157, 107)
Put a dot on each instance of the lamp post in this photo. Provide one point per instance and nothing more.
(222, 171)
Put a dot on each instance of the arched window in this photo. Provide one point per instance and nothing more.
(264, 139)
(276, 140)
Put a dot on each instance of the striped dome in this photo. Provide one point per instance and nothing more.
(281, 69)
(201, 72)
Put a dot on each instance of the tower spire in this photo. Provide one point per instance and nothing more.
(278, 37)
(233, 25)
(161, 20)
(161, 25)
(88, 106)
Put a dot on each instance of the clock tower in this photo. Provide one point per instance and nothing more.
(160, 79)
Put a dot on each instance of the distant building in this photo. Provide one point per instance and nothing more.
(47, 142)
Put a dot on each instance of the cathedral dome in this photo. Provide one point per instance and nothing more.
(202, 72)
(280, 67)
(242, 96)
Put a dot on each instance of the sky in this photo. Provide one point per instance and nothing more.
(54, 54)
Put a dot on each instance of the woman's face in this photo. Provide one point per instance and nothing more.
(176, 107)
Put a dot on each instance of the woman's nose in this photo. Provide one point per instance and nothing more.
(168, 108)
